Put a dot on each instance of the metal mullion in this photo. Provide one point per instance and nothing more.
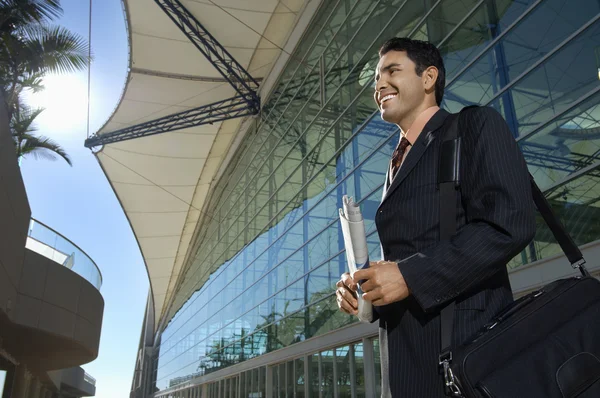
(545, 58)
(582, 99)
(352, 367)
(569, 108)
(572, 176)
(320, 362)
(355, 33)
(328, 44)
(351, 40)
(460, 24)
(335, 378)
(369, 367)
(306, 54)
(495, 41)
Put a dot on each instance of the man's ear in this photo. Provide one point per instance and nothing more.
(429, 77)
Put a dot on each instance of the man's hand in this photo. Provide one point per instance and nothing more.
(384, 283)
(346, 295)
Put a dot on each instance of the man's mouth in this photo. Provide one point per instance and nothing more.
(386, 98)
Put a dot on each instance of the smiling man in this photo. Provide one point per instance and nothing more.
(421, 274)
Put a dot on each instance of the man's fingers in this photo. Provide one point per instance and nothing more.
(361, 274)
(349, 296)
(348, 282)
(344, 304)
(373, 296)
(368, 285)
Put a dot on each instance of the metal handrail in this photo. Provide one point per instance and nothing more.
(52, 245)
(87, 377)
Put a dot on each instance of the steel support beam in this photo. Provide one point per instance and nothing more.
(246, 103)
(216, 54)
(216, 112)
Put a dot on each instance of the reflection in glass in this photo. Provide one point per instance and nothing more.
(314, 372)
(359, 370)
(377, 366)
(343, 376)
(300, 379)
(327, 380)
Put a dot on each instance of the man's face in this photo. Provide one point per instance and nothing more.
(398, 91)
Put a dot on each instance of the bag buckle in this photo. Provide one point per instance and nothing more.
(450, 381)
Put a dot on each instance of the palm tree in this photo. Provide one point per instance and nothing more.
(17, 12)
(27, 143)
(30, 47)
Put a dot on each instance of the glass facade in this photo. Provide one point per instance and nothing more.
(268, 257)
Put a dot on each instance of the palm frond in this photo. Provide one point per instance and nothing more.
(22, 120)
(45, 148)
(15, 13)
(53, 49)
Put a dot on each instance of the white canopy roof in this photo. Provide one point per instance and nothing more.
(162, 180)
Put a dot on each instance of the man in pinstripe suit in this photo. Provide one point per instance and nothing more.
(420, 274)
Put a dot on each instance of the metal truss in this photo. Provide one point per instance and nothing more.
(208, 114)
(227, 66)
(247, 103)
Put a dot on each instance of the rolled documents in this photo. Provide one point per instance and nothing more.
(357, 252)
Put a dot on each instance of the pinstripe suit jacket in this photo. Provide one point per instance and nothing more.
(495, 221)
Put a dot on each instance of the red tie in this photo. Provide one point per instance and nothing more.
(397, 157)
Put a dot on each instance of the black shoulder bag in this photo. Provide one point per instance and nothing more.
(544, 345)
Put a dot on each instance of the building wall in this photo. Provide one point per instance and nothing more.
(267, 260)
(14, 215)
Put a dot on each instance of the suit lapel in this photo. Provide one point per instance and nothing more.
(417, 150)
(385, 184)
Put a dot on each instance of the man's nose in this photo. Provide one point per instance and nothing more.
(380, 85)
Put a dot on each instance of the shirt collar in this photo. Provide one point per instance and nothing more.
(415, 129)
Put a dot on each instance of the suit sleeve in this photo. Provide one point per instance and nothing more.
(500, 215)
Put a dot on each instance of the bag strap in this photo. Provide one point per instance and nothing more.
(449, 183)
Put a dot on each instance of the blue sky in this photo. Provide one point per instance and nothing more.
(78, 202)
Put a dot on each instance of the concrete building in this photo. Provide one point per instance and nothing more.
(50, 303)
(243, 123)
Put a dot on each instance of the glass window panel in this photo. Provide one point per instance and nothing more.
(567, 75)
(327, 376)
(377, 366)
(313, 369)
(359, 370)
(299, 378)
(344, 379)
(518, 50)
(275, 380)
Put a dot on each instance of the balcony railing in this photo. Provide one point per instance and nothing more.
(89, 379)
(50, 244)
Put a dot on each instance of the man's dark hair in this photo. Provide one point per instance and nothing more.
(424, 55)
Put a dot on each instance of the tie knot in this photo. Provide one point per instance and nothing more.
(404, 143)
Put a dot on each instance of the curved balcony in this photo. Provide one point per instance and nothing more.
(47, 242)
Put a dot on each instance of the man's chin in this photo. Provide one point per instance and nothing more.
(388, 116)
